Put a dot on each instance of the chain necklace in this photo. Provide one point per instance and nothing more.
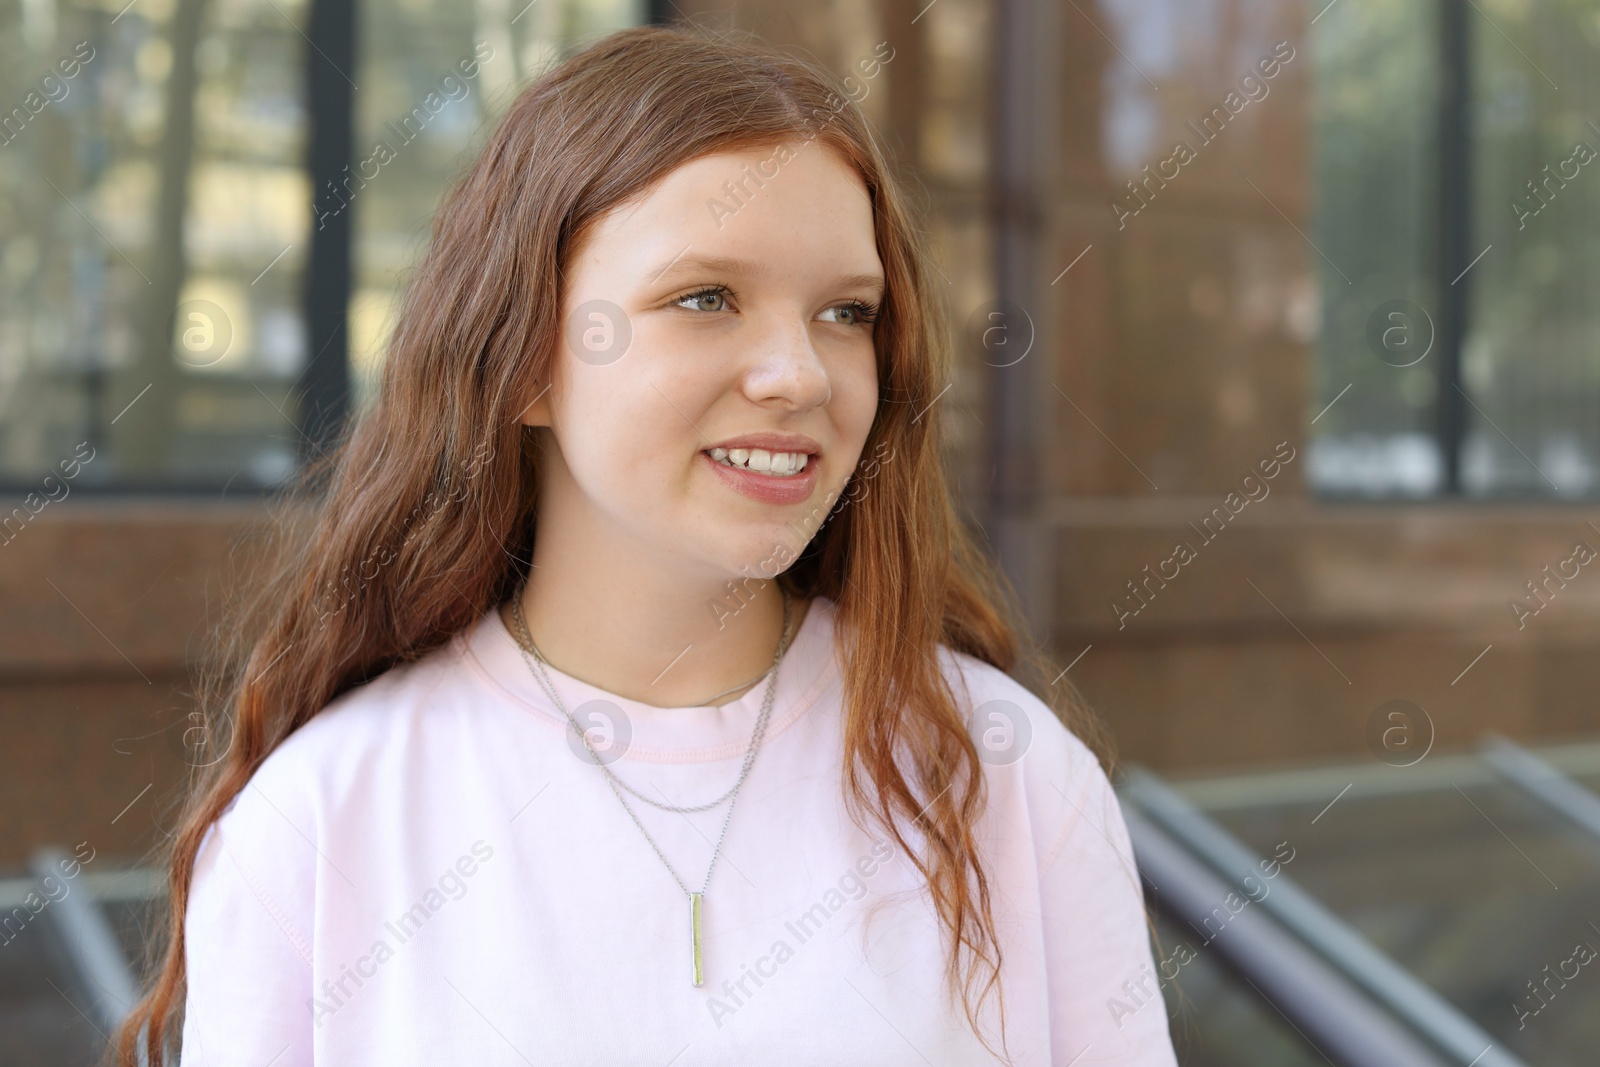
(732, 689)
(525, 639)
(536, 666)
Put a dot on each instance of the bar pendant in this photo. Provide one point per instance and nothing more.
(694, 937)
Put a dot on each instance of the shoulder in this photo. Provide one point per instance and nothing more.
(291, 806)
(1036, 768)
(1012, 725)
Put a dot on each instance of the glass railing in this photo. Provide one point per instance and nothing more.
(1460, 896)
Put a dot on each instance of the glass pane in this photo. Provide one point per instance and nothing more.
(154, 214)
(1531, 361)
(1217, 1020)
(433, 79)
(40, 1027)
(1375, 77)
(1476, 891)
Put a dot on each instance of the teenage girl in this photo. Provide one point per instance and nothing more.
(633, 695)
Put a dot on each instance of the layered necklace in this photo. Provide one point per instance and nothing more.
(536, 665)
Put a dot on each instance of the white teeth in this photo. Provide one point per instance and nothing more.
(775, 464)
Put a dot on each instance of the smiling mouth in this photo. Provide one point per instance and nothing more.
(761, 461)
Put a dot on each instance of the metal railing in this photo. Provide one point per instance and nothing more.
(1540, 779)
(1316, 945)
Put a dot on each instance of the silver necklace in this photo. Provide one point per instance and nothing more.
(525, 640)
(536, 666)
(731, 689)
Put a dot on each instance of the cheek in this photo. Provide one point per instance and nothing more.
(855, 398)
(594, 429)
(621, 434)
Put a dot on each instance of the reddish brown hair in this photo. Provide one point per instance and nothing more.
(423, 520)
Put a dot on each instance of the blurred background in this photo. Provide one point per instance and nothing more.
(1278, 398)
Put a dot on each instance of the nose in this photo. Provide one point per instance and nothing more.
(787, 369)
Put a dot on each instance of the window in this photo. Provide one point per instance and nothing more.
(1456, 208)
(157, 214)
(419, 109)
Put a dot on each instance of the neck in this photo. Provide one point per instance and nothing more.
(636, 626)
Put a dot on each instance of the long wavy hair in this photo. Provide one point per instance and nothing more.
(422, 520)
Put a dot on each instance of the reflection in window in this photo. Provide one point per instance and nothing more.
(1375, 72)
(1530, 357)
(156, 212)
(152, 234)
(1531, 360)
(434, 79)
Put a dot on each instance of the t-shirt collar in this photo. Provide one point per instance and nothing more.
(656, 734)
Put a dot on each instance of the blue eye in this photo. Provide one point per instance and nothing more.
(712, 299)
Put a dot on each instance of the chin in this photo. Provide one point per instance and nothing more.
(766, 552)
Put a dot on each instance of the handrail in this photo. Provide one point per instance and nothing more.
(1306, 918)
(90, 946)
(1544, 782)
(1339, 1020)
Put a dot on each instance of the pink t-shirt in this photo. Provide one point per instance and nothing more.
(432, 871)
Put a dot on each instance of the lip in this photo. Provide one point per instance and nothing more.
(772, 442)
(764, 488)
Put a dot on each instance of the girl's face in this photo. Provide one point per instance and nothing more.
(724, 318)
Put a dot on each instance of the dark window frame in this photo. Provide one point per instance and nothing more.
(1453, 219)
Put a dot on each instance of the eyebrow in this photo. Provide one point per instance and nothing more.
(680, 264)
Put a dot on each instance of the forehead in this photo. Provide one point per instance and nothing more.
(799, 204)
